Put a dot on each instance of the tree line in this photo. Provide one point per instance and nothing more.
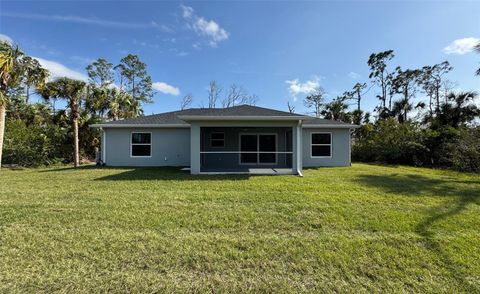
(419, 118)
(39, 133)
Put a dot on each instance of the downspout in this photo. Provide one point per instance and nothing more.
(299, 145)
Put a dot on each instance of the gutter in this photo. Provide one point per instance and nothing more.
(310, 126)
(236, 117)
(107, 125)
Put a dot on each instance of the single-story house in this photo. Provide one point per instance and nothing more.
(238, 139)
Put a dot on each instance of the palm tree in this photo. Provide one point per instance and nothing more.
(72, 91)
(34, 75)
(13, 65)
(458, 111)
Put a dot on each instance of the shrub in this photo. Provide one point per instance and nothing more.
(463, 152)
(391, 142)
(25, 145)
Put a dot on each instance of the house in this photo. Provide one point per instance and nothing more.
(238, 139)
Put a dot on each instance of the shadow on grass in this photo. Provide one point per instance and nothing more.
(70, 168)
(462, 192)
(163, 174)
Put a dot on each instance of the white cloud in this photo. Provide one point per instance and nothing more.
(187, 11)
(461, 46)
(83, 20)
(6, 38)
(295, 87)
(203, 27)
(58, 70)
(166, 88)
(353, 75)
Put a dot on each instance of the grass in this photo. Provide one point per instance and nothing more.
(361, 229)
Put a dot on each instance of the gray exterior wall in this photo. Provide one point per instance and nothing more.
(170, 147)
(340, 148)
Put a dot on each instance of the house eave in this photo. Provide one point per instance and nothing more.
(106, 125)
(240, 118)
(330, 126)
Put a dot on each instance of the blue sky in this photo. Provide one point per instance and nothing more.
(277, 50)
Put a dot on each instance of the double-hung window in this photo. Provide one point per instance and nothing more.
(217, 140)
(321, 145)
(141, 145)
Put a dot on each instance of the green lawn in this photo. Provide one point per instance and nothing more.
(361, 229)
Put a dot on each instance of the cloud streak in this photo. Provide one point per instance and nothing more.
(58, 70)
(83, 20)
(461, 46)
(204, 27)
(165, 88)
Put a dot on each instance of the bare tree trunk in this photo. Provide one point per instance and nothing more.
(2, 128)
(76, 155)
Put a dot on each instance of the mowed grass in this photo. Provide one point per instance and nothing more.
(358, 229)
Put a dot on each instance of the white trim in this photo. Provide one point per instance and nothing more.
(246, 152)
(211, 146)
(311, 126)
(331, 144)
(258, 149)
(241, 117)
(106, 125)
(299, 155)
(150, 144)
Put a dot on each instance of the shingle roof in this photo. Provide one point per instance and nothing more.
(172, 118)
(321, 121)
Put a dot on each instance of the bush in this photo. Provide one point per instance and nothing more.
(391, 142)
(463, 152)
(25, 145)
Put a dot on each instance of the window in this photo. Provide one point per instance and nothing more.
(321, 145)
(141, 145)
(258, 149)
(217, 139)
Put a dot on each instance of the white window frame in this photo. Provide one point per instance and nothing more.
(311, 144)
(258, 149)
(211, 146)
(149, 144)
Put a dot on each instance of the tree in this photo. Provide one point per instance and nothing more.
(250, 99)
(234, 96)
(13, 65)
(357, 94)
(315, 101)
(405, 83)
(336, 110)
(431, 81)
(100, 73)
(134, 78)
(33, 75)
(72, 91)
(291, 108)
(380, 75)
(214, 91)
(459, 111)
(186, 101)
